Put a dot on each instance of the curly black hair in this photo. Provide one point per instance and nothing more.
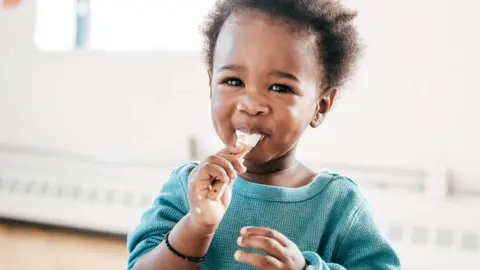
(337, 37)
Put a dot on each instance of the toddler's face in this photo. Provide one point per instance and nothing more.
(264, 79)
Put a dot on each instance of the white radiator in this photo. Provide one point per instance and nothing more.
(429, 228)
(76, 192)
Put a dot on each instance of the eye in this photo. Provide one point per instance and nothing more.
(233, 82)
(281, 88)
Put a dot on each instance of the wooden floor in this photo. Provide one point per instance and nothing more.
(25, 247)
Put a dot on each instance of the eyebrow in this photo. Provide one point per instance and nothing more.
(232, 67)
(276, 73)
(285, 75)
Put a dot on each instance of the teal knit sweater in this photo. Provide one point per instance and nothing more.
(328, 219)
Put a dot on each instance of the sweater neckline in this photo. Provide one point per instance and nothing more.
(252, 190)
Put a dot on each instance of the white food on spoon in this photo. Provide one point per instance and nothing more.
(249, 140)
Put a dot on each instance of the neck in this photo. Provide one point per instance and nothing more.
(284, 171)
(283, 163)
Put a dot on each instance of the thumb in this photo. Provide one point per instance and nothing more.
(227, 194)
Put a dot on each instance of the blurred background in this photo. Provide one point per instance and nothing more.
(100, 99)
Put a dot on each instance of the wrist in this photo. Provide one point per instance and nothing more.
(181, 255)
(312, 259)
(184, 241)
(305, 264)
(205, 230)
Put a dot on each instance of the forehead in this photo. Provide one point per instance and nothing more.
(260, 41)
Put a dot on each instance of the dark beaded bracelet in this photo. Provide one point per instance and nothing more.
(178, 254)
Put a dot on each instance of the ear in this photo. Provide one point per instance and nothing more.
(210, 81)
(324, 105)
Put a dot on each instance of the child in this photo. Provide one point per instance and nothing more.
(275, 68)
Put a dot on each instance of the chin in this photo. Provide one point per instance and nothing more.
(252, 161)
(256, 158)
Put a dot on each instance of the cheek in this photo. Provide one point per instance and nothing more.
(296, 128)
(293, 123)
(221, 110)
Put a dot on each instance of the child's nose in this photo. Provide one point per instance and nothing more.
(253, 104)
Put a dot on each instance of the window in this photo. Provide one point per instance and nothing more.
(120, 25)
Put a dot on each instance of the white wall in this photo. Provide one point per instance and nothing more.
(412, 103)
(127, 106)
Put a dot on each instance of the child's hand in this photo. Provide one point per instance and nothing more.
(281, 252)
(206, 214)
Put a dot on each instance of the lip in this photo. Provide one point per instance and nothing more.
(250, 131)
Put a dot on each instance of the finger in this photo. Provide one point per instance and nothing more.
(269, 245)
(231, 150)
(217, 172)
(236, 162)
(227, 194)
(224, 163)
(267, 232)
(258, 260)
